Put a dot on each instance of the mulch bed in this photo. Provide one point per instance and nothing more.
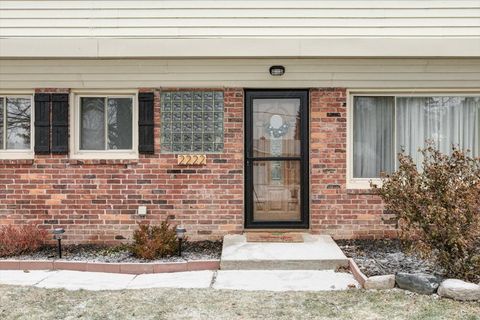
(201, 250)
(380, 257)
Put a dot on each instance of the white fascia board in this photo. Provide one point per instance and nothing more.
(237, 47)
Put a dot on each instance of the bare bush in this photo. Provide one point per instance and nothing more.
(439, 208)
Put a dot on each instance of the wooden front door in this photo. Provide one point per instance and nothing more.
(276, 159)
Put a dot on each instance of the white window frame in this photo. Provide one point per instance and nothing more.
(76, 153)
(17, 154)
(364, 183)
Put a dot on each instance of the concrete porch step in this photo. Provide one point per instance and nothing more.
(316, 252)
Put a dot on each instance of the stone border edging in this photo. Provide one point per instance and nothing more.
(127, 268)
(357, 274)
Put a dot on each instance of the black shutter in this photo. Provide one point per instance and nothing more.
(145, 123)
(60, 123)
(42, 123)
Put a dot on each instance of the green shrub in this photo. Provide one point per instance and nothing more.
(18, 240)
(439, 208)
(152, 242)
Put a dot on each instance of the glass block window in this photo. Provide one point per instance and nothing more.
(192, 122)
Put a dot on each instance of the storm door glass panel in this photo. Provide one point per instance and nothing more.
(276, 144)
(276, 127)
(119, 123)
(18, 123)
(276, 191)
(92, 115)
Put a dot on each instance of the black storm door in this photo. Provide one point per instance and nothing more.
(276, 159)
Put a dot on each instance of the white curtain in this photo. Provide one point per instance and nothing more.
(446, 121)
(92, 117)
(373, 143)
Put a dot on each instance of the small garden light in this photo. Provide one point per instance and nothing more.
(57, 235)
(180, 231)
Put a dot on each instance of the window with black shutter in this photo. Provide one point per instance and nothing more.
(145, 123)
(42, 123)
(60, 123)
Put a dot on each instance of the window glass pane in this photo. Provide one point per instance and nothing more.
(18, 123)
(445, 121)
(276, 127)
(92, 126)
(373, 144)
(120, 123)
(276, 191)
(2, 106)
(192, 122)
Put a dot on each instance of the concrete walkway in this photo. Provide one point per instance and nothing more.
(284, 280)
(268, 280)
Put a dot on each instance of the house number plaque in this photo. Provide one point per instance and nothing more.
(192, 160)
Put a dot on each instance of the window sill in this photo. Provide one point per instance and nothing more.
(17, 155)
(104, 156)
(95, 162)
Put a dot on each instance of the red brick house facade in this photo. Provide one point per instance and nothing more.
(97, 200)
(296, 105)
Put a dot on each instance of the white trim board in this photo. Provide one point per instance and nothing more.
(297, 47)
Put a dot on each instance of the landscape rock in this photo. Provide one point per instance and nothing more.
(459, 290)
(387, 256)
(380, 282)
(417, 282)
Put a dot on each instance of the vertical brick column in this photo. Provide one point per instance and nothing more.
(334, 209)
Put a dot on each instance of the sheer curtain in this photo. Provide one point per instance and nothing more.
(445, 121)
(92, 124)
(373, 129)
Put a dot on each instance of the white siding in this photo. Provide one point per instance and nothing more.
(250, 73)
(240, 18)
(245, 20)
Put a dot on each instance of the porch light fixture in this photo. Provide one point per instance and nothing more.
(180, 231)
(57, 235)
(277, 71)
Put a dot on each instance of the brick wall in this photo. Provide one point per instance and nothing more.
(334, 209)
(96, 200)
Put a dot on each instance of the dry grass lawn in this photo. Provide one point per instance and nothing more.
(33, 303)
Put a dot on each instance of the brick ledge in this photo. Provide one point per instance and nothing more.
(126, 268)
(95, 162)
(15, 162)
(357, 274)
(361, 191)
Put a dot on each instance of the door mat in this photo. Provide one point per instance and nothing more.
(273, 237)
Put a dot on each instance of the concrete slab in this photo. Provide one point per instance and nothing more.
(284, 280)
(317, 252)
(22, 278)
(76, 280)
(191, 279)
(269, 280)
